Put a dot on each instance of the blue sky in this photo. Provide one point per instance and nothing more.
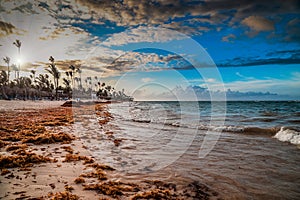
(245, 46)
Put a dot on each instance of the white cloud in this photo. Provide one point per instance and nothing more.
(143, 34)
(282, 87)
(228, 38)
(210, 80)
(147, 79)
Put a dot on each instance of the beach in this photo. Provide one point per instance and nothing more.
(44, 157)
(144, 150)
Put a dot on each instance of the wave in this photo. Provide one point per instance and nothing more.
(142, 120)
(244, 130)
(226, 128)
(288, 135)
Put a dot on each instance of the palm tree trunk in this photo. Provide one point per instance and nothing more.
(8, 73)
(56, 94)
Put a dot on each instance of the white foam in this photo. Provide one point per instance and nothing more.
(288, 135)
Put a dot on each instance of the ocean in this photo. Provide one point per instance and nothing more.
(242, 149)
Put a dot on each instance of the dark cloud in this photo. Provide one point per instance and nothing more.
(292, 53)
(293, 30)
(172, 13)
(236, 62)
(6, 28)
(190, 17)
(27, 8)
(62, 64)
(28, 66)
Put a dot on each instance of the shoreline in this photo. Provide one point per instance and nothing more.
(41, 159)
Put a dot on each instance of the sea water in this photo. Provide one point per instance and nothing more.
(239, 149)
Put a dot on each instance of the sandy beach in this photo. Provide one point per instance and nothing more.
(41, 158)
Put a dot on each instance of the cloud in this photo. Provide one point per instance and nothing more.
(136, 61)
(56, 32)
(258, 24)
(210, 80)
(293, 30)
(68, 30)
(142, 34)
(147, 80)
(115, 62)
(283, 57)
(202, 93)
(228, 38)
(203, 16)
(27, 8)
(291, 53)
(7, 29)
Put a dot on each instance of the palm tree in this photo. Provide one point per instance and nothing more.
(72, 73)
(55, 73)
(15, 68)
(32, 75)
(18, 44)
(44, 83)
(76, 80)
(67, 88)
(79, 71)
(7, 60)
(3, 80)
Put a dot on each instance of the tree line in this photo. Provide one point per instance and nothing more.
(52, 85)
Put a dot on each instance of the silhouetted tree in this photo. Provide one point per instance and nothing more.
(18, 44)
(7, 60)
(55, 73)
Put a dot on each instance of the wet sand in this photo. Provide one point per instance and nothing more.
(41, 158)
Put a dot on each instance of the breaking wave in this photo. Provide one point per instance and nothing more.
(288, 135)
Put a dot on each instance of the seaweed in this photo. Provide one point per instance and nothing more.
(71, 158)
(4, 171)
(3, 143)
(16, 147)
(101, 166)
(100, 175)
(48, 138)
(68, 149)
(68, 188)
(112, 188)
(63, 196)
(79, 180)
(28, 159)
(154, 194)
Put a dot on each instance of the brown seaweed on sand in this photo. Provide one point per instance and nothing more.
(15, 147)
(4, 171)
(65, 195)
(28, 159)
(99, 174)
(155, 194)
(101, 166)
(79, 180)
(48, 138)
(3, 143)
(112, 188)
(73, 157)
(68, 149)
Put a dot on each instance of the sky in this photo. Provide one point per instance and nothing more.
(163, 49)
